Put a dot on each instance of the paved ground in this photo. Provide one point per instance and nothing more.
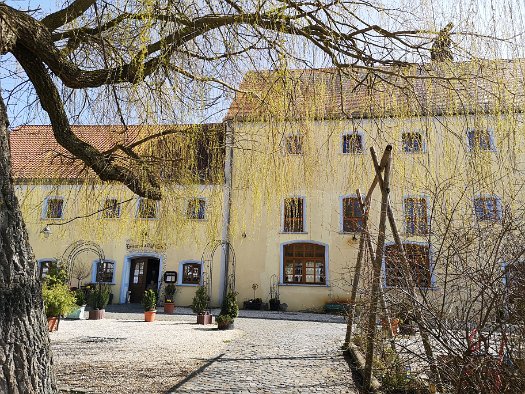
(267, 352)
(284, 356)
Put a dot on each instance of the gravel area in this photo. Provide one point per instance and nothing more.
(267, 352)
(131, 356)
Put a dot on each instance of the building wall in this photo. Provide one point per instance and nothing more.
(445, 172)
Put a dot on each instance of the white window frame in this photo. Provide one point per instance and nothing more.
(137, 209)
(284, 143)
(427, 200)
(94, 267)
(45, 206)
(341, 213)
(119, 206)
(492, 140)
(431, 266)
(205, 209)
(499, 208)
(423, 142)
(363, 144)
(326, 265)
(305, 230)
(180, 274)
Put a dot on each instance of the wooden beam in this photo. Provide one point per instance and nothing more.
(411, 287)
(376, 279)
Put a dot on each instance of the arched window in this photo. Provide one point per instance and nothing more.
(304, 263)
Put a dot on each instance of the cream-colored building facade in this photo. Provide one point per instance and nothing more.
(295, 171)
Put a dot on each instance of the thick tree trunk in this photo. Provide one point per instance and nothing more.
(25, 357)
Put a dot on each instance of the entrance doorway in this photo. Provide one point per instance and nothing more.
(143, 275)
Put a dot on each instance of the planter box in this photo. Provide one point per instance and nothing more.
(336, 308)
(169, 308)
(275, 305)
(78, 314)
(204, 318)
(96, 314)
(254, 306)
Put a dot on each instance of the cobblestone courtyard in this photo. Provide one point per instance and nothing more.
(265, 353)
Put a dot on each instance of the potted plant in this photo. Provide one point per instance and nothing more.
(169, 298)
(254, 303)
(58, 301)
(275, 303)
(150, 305)
(229, 311)
(98, 299)
(200, 306)
(81, 301)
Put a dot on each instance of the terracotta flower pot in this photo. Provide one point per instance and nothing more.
(204, 318)
(169, 307)
(149, 316)
(52, 323)
(96, 314)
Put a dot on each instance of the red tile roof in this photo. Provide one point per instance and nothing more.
(438, 89)
(35, 154)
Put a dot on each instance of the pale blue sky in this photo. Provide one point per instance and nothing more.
(488, 18)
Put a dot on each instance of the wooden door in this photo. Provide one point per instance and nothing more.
(137, 279)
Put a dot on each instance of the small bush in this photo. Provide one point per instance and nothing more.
(169, 292)
(200, 301)
(229, 305)
(99, 296)
(58, 300)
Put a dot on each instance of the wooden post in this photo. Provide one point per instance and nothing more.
(376, 279)
(411, 287)
(384, 307)
(355, 283)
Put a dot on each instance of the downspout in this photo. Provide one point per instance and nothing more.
(226, 210)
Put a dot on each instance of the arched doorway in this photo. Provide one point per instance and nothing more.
(141, 271)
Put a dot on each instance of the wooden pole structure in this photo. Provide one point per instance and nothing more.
(386, 313)
(376, 278)
(364, 239)
(411, 287)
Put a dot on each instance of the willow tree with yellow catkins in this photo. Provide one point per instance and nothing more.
(155, 63)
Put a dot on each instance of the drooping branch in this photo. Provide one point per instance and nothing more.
(101, 164)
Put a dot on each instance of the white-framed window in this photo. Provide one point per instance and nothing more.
(353, 142)
(351, 215)
(304, 263)
(416, 215)
(196, 209)
(147, 209)
(488, 208)
(111, 209)
(53, 208)
(44, 265)
(103, 271)
(190, 273)
(480, 139)
(293, 144)
(419, 259)
(293, 214)
(413, 142)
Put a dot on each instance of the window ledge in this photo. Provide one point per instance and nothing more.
(303, 284)
(352, 153)
(293, 232)
(188, 284)
(433, 288)
(54, 219)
